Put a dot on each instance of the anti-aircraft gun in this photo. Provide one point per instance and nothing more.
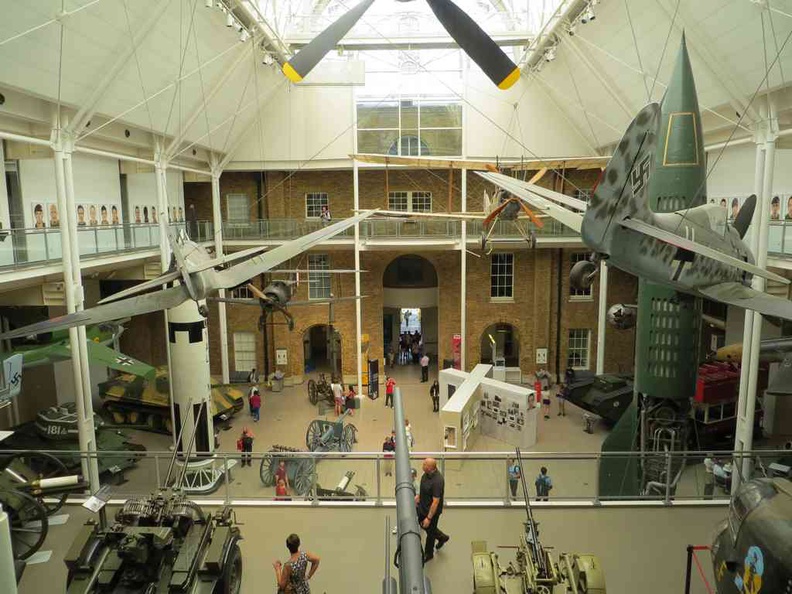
(159, 544)
(535, 571)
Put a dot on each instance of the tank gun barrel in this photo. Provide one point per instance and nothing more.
(409, 551)
(532, 536)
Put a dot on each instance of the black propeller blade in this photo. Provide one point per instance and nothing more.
(476, 43)
(309, 56)
(463, 29)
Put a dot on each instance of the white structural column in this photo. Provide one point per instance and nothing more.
(358, 305)
(217, 221)
(602, 317)
(752, 332)
(64, 188)
(462, 281)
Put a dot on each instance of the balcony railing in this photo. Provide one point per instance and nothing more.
(479, 477)
(779, 238)
(29, 247)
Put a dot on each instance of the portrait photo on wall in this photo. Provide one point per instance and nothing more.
(38, 216)
(81, 215)
(181, 214)
(775, 208)
(154, 214)
(54, 215)
(115, 217)
(92, 214)
(145, 214)
(137, 216)
(787, 207)
(104, 216)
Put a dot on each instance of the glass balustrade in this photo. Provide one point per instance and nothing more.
(480, 477)
(28, 247)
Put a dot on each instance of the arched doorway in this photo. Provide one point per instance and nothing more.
(322, 352)
(503, 339)
(410, 301)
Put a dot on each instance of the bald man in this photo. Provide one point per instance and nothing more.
(429, 505)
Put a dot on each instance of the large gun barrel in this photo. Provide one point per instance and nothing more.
(770, 350)
(409, 552)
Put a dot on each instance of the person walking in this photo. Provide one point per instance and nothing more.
(514, 476)
(255, 405)
(253, 389)
(561, 397)
(429, 504)
(546, 404)
(434, 393)
(543, 485)
(408, 431)
(349, 402)
(245, 445)
(281, 474)
(391, 353)
(390, 384)
(338, 395)
(425, 368)
(291, 576)
(388, 447)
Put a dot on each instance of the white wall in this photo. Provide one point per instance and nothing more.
(419, 298)
(316, 123)
(142, 192)
(734, 173)
(96, 182)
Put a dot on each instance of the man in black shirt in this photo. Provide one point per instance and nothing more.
(429, 503)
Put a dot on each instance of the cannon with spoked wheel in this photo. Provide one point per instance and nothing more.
(320, 390)
(33, 486)
(322, 436)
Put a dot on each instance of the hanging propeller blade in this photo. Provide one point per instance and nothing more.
(309, 56)
(476, 43)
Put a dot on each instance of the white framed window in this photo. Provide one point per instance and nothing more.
(318, 282)
(502, 276)
(241, 292)
(579, 294)
(237, 207)
(578, 348)
(410, 201)
(584, 195)
(244, 351)
(314, 201)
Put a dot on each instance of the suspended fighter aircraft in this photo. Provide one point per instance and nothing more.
(276, 296)
(199, 275)
(694, 251)
(57, 348)
(464, 30)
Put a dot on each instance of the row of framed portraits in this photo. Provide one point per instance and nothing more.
(780, 206)
(45, 214)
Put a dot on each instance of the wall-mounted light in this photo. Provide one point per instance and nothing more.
(229, 19)
(587, 15)
(550, 53)
(209, 3)
(267, 59)
(244, 35)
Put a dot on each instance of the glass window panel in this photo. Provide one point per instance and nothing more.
(314, 201)
(441, 115)
(578, 348)
(378, 115)
(244, 351)
(398, 201)
(409, 114)
(421, 202)
(579, 293)
(378, 142)
(318, 282)
(237, 207)
(442, 142)
(501, 275)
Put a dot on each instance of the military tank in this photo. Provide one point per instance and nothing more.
(135, 402)
(55, 429)
(605, 395)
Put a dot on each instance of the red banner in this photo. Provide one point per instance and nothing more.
(456, 350)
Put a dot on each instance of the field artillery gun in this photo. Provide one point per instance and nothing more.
(33, 486)
(535, 571)
(322, 436)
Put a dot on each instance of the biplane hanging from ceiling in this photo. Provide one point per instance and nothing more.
(503, 205)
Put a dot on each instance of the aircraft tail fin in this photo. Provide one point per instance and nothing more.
(12, 375)
(745, 216)
(623, 191)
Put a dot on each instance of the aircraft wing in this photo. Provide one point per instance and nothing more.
(400, 214)
(118, 361)
(156, 283)
(743, 296)
(227, 258)
(142, 304)
(697, 248)
(575, 203)
(256, 302)
(244, 271)
(573, 220)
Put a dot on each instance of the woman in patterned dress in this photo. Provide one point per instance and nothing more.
(291, 576)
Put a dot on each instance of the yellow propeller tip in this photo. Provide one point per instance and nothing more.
(291, 73)
(507, 82)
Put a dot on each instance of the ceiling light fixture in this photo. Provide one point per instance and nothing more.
(209, 3)
(550, 53)
(229, 19)
(571, 28)
(244, 35)
(588, 14)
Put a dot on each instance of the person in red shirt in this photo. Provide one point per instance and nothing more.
(255, 405)
(281, 474)
(281, 492)
(390, 383)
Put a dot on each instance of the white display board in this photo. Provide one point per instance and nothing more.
(508, 413)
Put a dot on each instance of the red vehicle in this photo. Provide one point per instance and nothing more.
(714, 411)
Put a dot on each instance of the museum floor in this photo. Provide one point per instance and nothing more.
(641, 549)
